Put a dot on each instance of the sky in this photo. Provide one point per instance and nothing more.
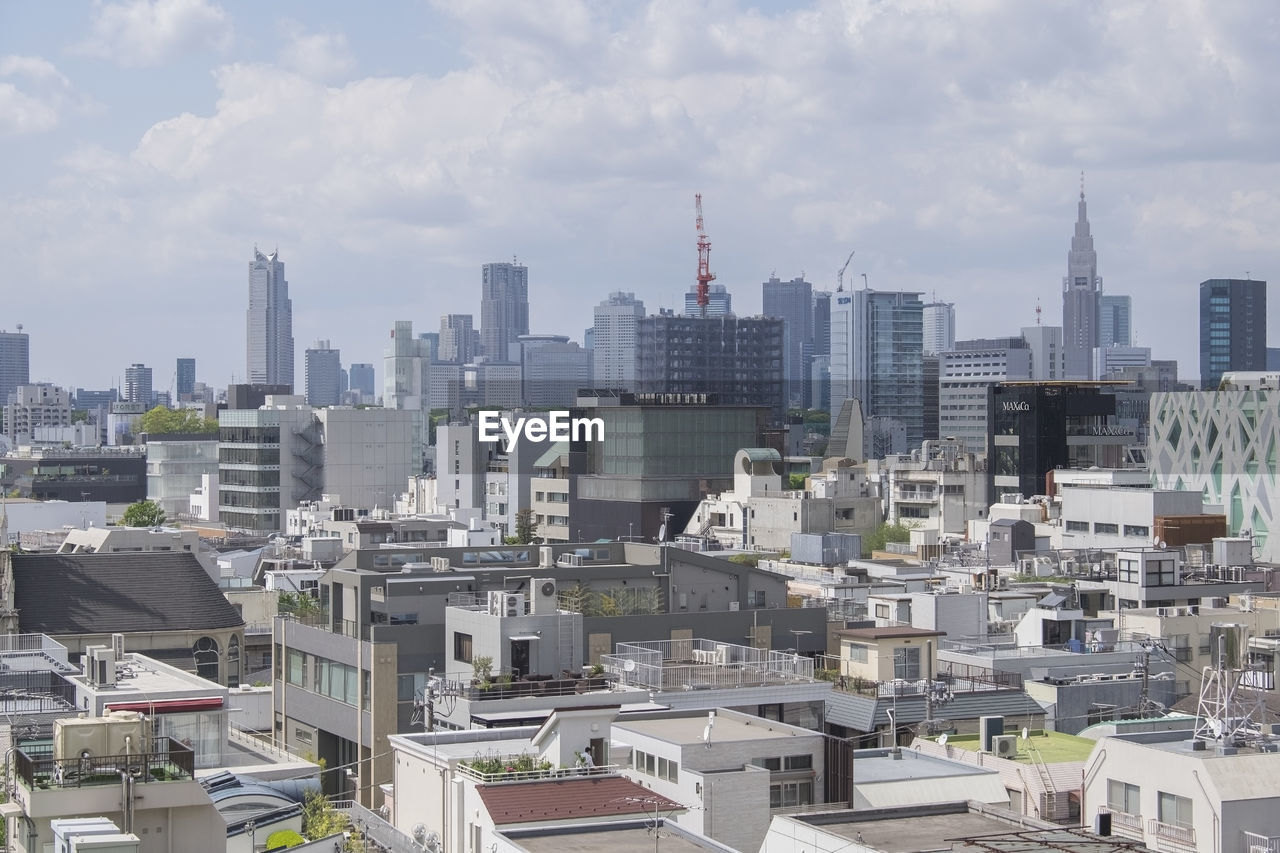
(389, 150)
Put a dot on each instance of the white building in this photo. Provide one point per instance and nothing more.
(1118, 516)
(405, 369)
(33, 407)
(176, 468)
(1116, 359)
(615, 341)
(1048, 359)
(936, 491)
(939, 327)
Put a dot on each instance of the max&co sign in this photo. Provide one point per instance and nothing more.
(1015, 406)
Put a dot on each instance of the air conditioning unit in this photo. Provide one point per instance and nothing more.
(722, 654)
(1164, 611)
(117, 646)
(544, 596)
(440, 564)
(1005, 746)
(505, 603)
(1193, 609)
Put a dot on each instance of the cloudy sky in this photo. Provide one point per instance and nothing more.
(391, 149)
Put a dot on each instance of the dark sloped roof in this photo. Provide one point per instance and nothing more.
(128, 593)
(567, 799)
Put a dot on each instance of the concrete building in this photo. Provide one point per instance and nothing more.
(111, 475)
(939, 321)
(1118, 516)
(936, 490)
(792, 302)
(550, 503)
(457, 339)
(137, 385)
(614, 341)
(735, 361)
(965, 372)
(877, 357)
(360, 380)
(323, 375)
(1081, 288)
(1115, 320)
(269, 323)
(552, 371)
(504, 310)
(176, 468)
(720, 302)
(32, 407)
(1116, 359)
(15, 362)
(405, 369)
(1047, 354)
(275, 457)
(1233, 328)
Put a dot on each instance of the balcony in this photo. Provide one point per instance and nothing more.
(1255, 843)
(1123, 823)
(1171, 837)
(166, 760)
(700, 664)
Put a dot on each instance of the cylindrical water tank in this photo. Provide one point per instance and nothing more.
(1227, 645)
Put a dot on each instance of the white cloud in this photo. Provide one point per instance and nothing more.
(318, 56)
(146, 33)
(33, 94)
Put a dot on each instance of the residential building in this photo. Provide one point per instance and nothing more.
(1081, 288)
(112, 475)
(965, 372)
(32, 407)
(550, 502)
(792, 302)
(877, 357)
(405, 369)
(137, 385)
(1115, 320)
(614, 341)
(360, 379)
(15, 362)
(269, 323)
(719, 302)
(735, 361)
(936, 491)
(939, 324)
(176, 467)
(553, 370)
(275, 457)
(1233, 328)
(456, 339)
(185, 379)
(504, 310)
(323, 375)
(1047, 353)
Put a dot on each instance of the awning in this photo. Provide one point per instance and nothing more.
(524, 637)
(170, 706)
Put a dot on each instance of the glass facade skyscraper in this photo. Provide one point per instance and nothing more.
(1233, 328)
(269, 337)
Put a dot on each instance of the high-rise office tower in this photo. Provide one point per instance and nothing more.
(406, 367)
(1046, 352)
(792, 303)
(720, 302)
(504, 310)
(185, 378)
(939, 327)
(614, 341)
(270, 322)
(15, 362)
(877, 356)
(1115, 313)
(360, 376)
(735, 360)
(1233, 328)
(456, 339)
(966, 371)
(323, 374)
(137, 385)
(821, 322)
(1080, 299)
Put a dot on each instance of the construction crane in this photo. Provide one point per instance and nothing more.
(704, 261)
(840, 274)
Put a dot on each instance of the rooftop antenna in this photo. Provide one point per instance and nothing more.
(1082, 183)
(1037, 312)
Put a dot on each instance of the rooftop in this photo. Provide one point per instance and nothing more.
(888, 633)
(1051, 747)
(908, 830)
(626, 838)
(729, 727)
(878, 765)
(570, 799)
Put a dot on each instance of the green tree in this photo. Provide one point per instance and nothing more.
(320, 819)
(143, 514)
(796, 481)
(526, 527)
(883, 535)
(298, 603)
(162, 421)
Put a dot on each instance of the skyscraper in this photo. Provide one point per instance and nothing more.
(15, 362)
(504, 310)
(137, 385)
(821, 322)
(405, 369)
(792, 303)
(939, 327)
(614, 341)
(1233, 328)
(1080, 299)
(1115, 313)
(270, 322)
(360, 377)
(736, 360)
(456, 339)
(323, 374)
(186, 378)
(720, 302)
(1046, 352)
(877, 356)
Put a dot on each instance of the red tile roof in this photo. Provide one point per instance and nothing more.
(567, 799)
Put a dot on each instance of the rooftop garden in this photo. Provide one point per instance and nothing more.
(1052, 747)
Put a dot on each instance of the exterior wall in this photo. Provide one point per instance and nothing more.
(171, 647)
(177, 815)
(370, 453)
(1132, 511)
(879, 663)
(176, 469)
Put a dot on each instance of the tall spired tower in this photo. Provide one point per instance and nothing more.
(1081, 289)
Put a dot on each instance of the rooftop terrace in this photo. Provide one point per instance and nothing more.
(1051, 747)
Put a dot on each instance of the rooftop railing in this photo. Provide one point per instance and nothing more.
(703, 664)
(166, 760)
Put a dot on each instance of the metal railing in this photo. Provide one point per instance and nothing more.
(372, 827)
(535, 775)
(1256, 843)
(1123, 823)
(703, 664)
(166, 760)
(1172, 838)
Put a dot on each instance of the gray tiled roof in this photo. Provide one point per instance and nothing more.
(105, 593)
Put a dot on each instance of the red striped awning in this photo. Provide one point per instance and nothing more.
(169, 706)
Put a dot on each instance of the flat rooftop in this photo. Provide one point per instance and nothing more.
(877, 765)
(1052, 747)
(688, 730)
(630, 839)
(913, 833)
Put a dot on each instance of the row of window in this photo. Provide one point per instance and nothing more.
(325, 677)
(781, 763)
(1170, 808)
(655, 765)
(1108, 527)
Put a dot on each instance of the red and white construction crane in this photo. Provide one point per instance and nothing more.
(704, 261)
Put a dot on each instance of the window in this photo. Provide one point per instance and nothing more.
(798, 762)
(1105, 527)
(1137, 530)
(1160, 573)
(461, 647)
(293, 673)
(906, 663)
(206, 653)
(1173, 809)
(1077, 527)
(856, 652)
(791, 793)
(882, 611)
(771, 764)
(1128, 571)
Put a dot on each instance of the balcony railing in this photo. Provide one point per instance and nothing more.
(1123, 823)
(470, 772)
(167, 760)
(1255, 843)
(1172, 838)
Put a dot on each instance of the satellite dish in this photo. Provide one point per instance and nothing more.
(1024, 732)
(662, 532)
(942, 739)
(628, 665)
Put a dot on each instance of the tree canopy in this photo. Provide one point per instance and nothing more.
(143, 514)
(162, 421)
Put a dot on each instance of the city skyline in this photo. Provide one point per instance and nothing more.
(950, 168)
